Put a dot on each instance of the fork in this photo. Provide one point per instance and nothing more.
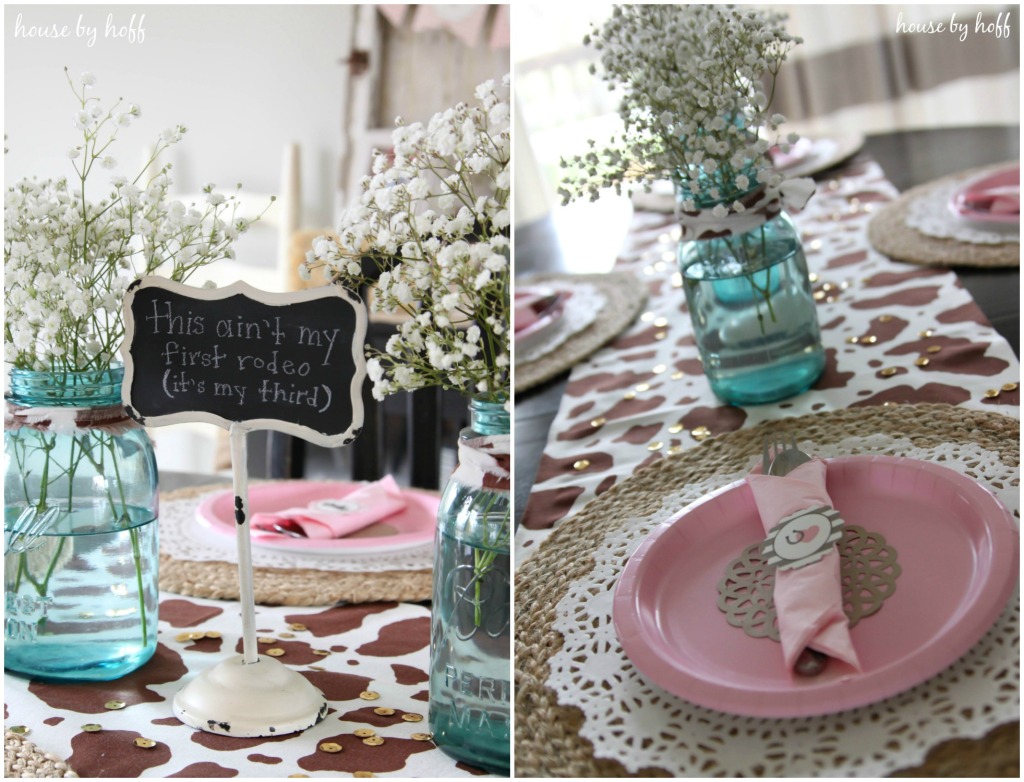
(781, 455)
(28, 527)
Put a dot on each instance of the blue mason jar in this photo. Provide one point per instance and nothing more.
(470, 671)
(81, 588)
(753, 313)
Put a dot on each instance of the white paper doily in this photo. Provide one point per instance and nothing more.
(929, 213)
(581, 309)
(640, 725)
(184, 537)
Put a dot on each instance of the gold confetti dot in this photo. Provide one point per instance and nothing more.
(412, 717)
(298, 627)
(266, 640)
(659, 369)
(853, 340)
(422, 736)
(114, 705)
(596, 422)
(316, 668)
(812, 277)
(183, 637)
(286, 636)
(934, 348)
(373, 741)
(144, 743)
(363, 774)
(884, 318)
(641, 387)
(923, 361)
(926, 333)
(827, 286)
(92, 727)
(657, 445)
(819, 295)
(661, 323)
(364, 732)
(384, 711)
(888, 371)
(870, 339)
(674, 450)
(330, 746)
(369, 695)
(678, 375)
(647, 317)
(21, 730)
(320, 652)
(629, 395)
(700, 433)
(275, 652)
(1009, 387)
(581, 464)
(661, 335)
(992, 393)
(677, 280)
(212, 634)
(676, 428)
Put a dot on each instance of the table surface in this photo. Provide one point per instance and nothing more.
(908, 158)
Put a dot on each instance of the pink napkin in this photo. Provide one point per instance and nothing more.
(808, 598)
(531, 305)
(341, 517)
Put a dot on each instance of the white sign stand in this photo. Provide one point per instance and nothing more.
(248, 695)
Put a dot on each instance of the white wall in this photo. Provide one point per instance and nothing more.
(244, 79)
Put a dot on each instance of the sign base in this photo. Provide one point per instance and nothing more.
(259, 699)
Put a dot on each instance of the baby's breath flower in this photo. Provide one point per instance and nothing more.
(68, 260)
(434, 221)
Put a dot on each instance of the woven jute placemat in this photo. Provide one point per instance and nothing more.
(23, 759)
(288, 586)
(624, 296)
(547, 737)
(889, 233)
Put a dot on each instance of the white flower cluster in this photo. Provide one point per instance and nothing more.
(698, 82)
(68, 260)
(431, 231)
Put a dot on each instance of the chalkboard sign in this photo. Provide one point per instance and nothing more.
(292, 362)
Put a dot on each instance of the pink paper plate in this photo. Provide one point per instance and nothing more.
(411, 527)
(957, 545)
(967, 199)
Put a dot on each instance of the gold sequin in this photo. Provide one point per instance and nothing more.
(363, 774)
(661, 335)
(678, 375)
(598, 422)
(1009, 387)
(92, 727)
(676, 428)
(183, 637)
(330, 746)
(144, 743)
(373, 741)
(675, 449)
(412, 717)
(870, 339)
(647, 317)
(581, 464)
(384, 711)
(641, 387)
(212, 634)
(661, 323)
(21, 730)
(657, 445)
(819, 295)
(298, 626)
(659, 369)
(992, 393)
(888, 371)
(853, 340)
(923, 361)
(422, 736)
(321, 652)
(266, 640)
(369, 695)
(700, 433)
(275, 652)
(114, 705)
(935, 348)
(629, 395)
(812, 277)
(926, 333)
(286, 635)
(364, 732)
(884, 318)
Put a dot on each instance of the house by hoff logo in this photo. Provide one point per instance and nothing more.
(999, 27)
